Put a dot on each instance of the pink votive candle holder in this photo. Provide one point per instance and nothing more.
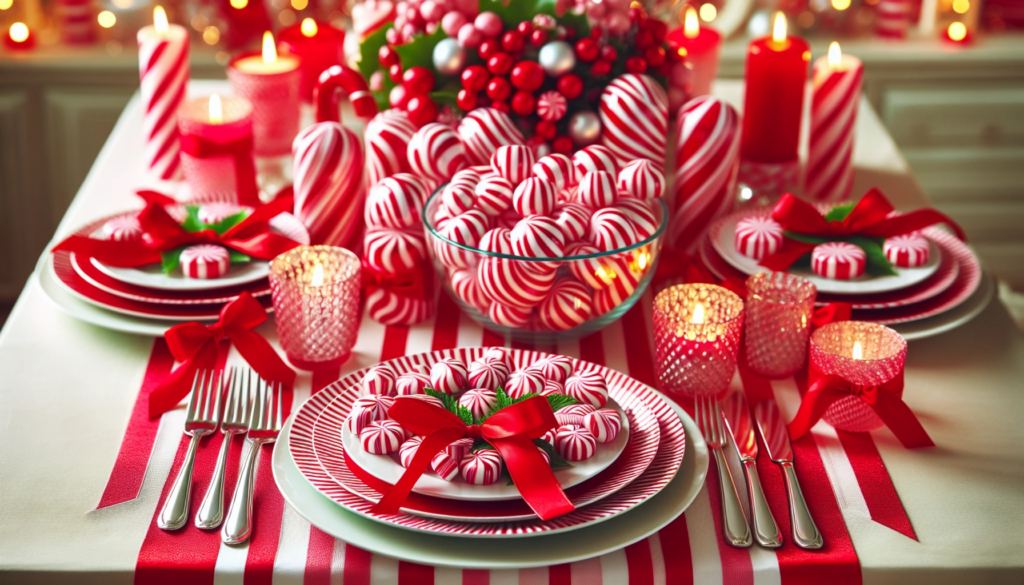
(216, 149)
(863, 354)
(777, 323)
(271, 82)
(696, 334)
(316, 304)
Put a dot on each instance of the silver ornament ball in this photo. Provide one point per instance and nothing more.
(449, 57)
(584, 128)
(557, 58)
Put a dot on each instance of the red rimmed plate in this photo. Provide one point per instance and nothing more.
(649, 482)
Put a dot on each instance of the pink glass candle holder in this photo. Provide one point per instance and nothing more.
(864, 354)
(316, 304)
(216, 149)
(777, 323)
(271, 83)
(696, 335)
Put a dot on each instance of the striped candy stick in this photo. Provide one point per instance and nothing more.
(329, 187)
(836, 82)
(163, 74)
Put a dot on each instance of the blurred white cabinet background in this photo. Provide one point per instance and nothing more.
(957, 116)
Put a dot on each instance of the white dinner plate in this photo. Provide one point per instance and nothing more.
(519, 553)
(952, 318)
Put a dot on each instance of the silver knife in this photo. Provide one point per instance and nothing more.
(776, 440)
(741, 425)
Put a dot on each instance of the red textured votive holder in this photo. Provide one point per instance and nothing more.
(316, 290)
(214, 177)
(880, 358)
(273, 90)
(696, 335)
(777, 323)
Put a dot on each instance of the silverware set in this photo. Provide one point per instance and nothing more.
(251, 406)
(740, 422)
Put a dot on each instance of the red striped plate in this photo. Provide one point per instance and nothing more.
(622, 493)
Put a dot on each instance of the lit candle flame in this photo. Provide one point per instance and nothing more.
(19, 32)
(691, 26)
(858, 351)
(957, 31)
(160, 19)
(779, 28)
(216, 110)
(269, 48)
(308, 27)
(698, 314)
(835, 55)
(318, 275)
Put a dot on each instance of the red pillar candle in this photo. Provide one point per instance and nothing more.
(317, 45)
(836, 85)
(19, 38)
(775, 78)
(703, 48)
(271, 83)
(216, 149)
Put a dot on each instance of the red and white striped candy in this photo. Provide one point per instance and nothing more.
(357, 419)
(556, 168)
(606, 272)
(568, 305)
(386, 141)
(497, 240)
(551, 106)
(549, 437)
(538, 236)
(449, 376)
(163, 75)
(393, 250)
(524, 382)
(376, 405)
(612, 229)
(573, 219)
(588, 387)
(838, 260)
(513, 283)
(621, 280)
(206, 261)
(508, 316)
(597, 190)
(705, 167)
(465, 229)
(123, 229)
(552, 387)
(328, 163)
(494, 195)
(587, 270)
(513, 162)
(389, 308)
(470, 176)
(482, 467)
(382, 437)
(758, 236)
(436, 152)
(446, 462)
(408, 450)
(425, 398)
(496, 355)
(908, 251)
(411, 383)
(490, 374)
(553, 367)
(464, 284)
(457, 198)
(634, 117)
(573, 414)
(642, 179)
(483, 130)
(594, 158)
(535, 196)
(378, 380)
(217, 212)
(508, 219)
(396, 201)
(643, 213)
(574, 443)
(479, 401)
(604, 424)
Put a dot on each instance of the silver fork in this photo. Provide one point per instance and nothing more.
(235, 421)
(201, 420)
(264, 426)
(709, 419)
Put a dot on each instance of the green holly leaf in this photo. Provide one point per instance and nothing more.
(503, 400)
(238, 257)
(839, 212)
(512, 12)
(557, 461)
(448, 401)
(560, 401)
(464, 413)
(445, 98)
(420, 53)
(171, 260)
(480, 444)
(192, 223)
(523, 397)
(369, 48)
(578, 22)
(227, 223)
(877, 263)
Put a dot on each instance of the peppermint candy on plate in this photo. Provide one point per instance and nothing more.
(588, 388)
(574, 219)
(408, 450)
(497, 241)
(483, 130)
(604, 424)
(643, 214)
(412, 383)
(494, 195)
(125, 228)
(512, 283)
(642, 179)
(552, 387)
(394, 251)
(594, 158)
(597, 190)
(513, 162)
(538, 236)
(216, 212)
(379, 379)
(612, 229)
(634, 117)
(553, 367)
(838, 260)
(535, 196)
(425, 398)
(465, 286)
(907, 251)
(556, 168)
(376, 405)
(386, 141)
(446, 462)
(449, 376)
(479, 401)
(496, 354)
(396, 201)
(481, 467)
(573, 414)
(758, 236)
(205, 261)
(508, 316)
(357, 419)
(436, 152)
(575, 443)
(568, 304)
(490, 374)
(523, 382)
(382, 437)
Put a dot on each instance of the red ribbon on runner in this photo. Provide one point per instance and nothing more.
(886, 400)
(240, 150)
(511, 431)
(252, 236)
(831, 313)
(870, 217)
(195, 346)
(414, 284)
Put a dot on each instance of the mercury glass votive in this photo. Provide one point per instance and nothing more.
(777, 323)
(696, 335)
(863, 354)
(316, 304)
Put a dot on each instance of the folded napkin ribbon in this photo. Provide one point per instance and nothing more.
(240, 150)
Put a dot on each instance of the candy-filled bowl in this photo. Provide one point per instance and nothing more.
(546, 277)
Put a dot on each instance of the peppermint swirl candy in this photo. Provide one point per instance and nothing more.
(612, 229)
(426, 398)
(382, 437)
(217, 212)
(494, 195)
(408, 450)
(376, 405)
(838, 260)
(588, 388)
(594, 158)
(496, 354)
(470, 176)
(549, 437)
(412, 383)
(204, 261)
(908, 251)
(483, 130)
(552, 387)
(490, 374)
(643, 214)
(507, 316)
(642, 179)
(568, 305)
(556, 168)
(125, 228)
(757, 237)
(574, 219)
(465, 229)
(449, 376)
(597, 190)
(395, 202)
(436, 152)
(634, 117)
(574, 443)
(497, 241)
(379, 379)
(393, 251)
(457, 198)
(588, 270)
(465, 286)
(538, 236)
(551, 106)
(513, 162)
(482, 467)
(358, 418)
(524, 382)
(573, 414)
(553, 367)
(386, 143)
(446, 462)
(604, 424)
(480, 401)
(512, 283)
(535, 196)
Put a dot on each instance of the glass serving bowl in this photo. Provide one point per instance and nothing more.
(543, 299)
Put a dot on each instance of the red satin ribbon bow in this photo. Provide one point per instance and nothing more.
(195, 346)
(240, 150)
(886, 400)
(251, 236)
(511, 431)
(870, 217)
(831, 313)
(414, 284)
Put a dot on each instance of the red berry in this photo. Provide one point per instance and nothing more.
(466, 99)
(539, 37)
(527, 76)
(395, 73)
(546, 130)
(398, 97)
(644, 39)
(571, 86)
(525, 27)
(658, 29)
(489, 48)
(512, 41)
(475, 77)
(498, 88)
(535, 142)
(608, 53)
(596, 32)
(387, 56)
(655, 56)
(500, 64)
(524, 103)
(601, 68)
(635, 14)
(421, 109)
(636, 65)
(562, 145)
(587, 50)
(501, 106)
(418, 79)
(665, 69)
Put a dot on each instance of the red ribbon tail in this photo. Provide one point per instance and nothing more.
(259, 354)
(815, 402)
(901, 421)
(155, 197)
(534, 478)
(170, 392)
(391, 502)
(791, 251)
(110, 252)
